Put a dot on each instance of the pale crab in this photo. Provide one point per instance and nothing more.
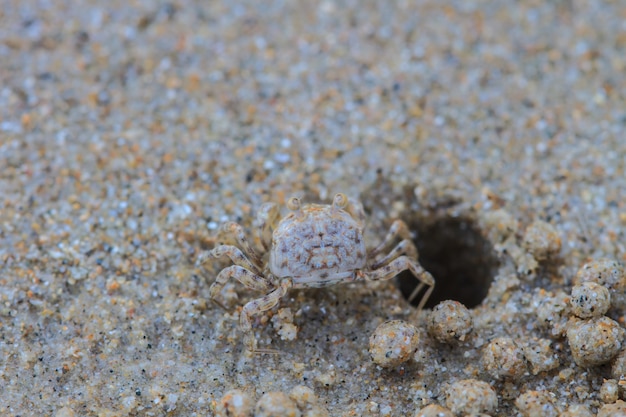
(315, 245)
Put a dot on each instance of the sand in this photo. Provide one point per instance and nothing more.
(130, 131)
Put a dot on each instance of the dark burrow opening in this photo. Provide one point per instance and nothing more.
(460, 259)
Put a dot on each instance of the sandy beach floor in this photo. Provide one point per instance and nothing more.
(130, 131)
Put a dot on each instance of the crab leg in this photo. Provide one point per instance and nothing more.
(258, 306)
(236, 231)
(233, 252)
(405, 247)
(267, 217)
(241, 274)
(355, 208)
(400, 264)
(397, 229)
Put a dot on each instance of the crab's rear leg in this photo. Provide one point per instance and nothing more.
(398, 229)
(266, 219)
(243, 275)
(256, 307)
(401, 264)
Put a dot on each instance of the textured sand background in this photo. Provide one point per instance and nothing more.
(130, 130)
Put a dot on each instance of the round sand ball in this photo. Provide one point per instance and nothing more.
(502, 358)
(315, 410)
(65, 412)
(595, 341)
(276, 404)
(590, 299)
(303, 396)
(450, 321)
(536, 404)
(577, 410)
(393, 343)
(618, 370)
(609, 391)
(471, 396)
(434, 410)
(606, 272)
(307, 402)
(542, 240)
(235, 403)
(617, 409)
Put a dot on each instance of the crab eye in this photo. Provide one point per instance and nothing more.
(293, 204)
(340, 200)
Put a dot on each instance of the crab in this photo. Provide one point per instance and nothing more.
(313, 246)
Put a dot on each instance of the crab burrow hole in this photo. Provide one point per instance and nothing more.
(462, 261)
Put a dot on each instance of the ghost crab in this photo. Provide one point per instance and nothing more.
(315, 245)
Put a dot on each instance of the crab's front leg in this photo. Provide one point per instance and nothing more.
(266, 218)
(232, 252)
(246, 277)
(234, 230)
(401, 264)
(256, 307)
(356, 210)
